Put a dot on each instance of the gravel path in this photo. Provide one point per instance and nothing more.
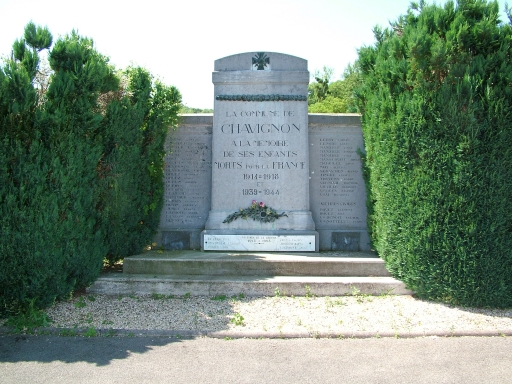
(347, 316)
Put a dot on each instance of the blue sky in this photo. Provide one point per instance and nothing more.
(178, 40)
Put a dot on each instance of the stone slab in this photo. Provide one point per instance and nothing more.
(187, 175)
(255, 264)
(326, 240)
(243, 61)
(345, 257)
(176, 240)
(260, 141)
(346, 241)
(337, 189)
(248, 285)
(270, 243)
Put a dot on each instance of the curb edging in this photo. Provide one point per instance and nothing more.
(187, 334)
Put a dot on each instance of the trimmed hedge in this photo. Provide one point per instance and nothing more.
(81, 167)
(133, 161)
(437, 112)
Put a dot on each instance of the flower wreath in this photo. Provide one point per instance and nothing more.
(258, 211)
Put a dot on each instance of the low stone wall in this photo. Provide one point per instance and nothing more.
(336, 187)
(187, 190)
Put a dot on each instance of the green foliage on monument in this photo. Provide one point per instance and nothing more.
(71, 162)
(436, 110)
(335, 97)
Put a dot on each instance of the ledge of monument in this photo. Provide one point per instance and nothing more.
(278, 62)
(196, 119)
(334, 118)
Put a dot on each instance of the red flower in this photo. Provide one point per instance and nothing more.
(262, 204)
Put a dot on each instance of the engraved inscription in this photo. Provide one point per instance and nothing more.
(187, 181)
(257, 148)
(337, 182)
(273, 243)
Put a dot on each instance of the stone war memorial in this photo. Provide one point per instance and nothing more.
(261, 174)
(255, 191)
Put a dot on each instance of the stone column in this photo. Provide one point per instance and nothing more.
(260, 155)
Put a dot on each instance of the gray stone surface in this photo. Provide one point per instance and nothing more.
(255, 264)
(346, 241)
(337, 189)
(176, 240)
(187, 177)
(333, 144)
(260, 148)
(251, 273)
(249, 286)
(307, 166)
(278, 62)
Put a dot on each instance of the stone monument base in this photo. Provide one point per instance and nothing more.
(264, 241)
(294, 221)
(178, 238)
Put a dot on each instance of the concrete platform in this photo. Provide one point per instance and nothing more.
(254, 264)
(251, 274)
(249, 286)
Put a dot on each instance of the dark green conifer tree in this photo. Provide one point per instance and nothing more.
(81, 170)
(437, 106)
(135, 127)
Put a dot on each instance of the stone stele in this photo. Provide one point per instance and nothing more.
(260, 149)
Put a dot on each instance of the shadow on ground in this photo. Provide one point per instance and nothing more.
(98, 329)
(98, 350)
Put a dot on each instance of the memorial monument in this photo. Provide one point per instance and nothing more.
(261, 174)
(260, 159)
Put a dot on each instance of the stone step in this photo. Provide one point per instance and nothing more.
(251, 274)
(249, 286)
(363, 264)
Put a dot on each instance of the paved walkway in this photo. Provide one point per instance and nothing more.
(53, 359)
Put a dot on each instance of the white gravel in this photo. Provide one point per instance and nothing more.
(348, 315)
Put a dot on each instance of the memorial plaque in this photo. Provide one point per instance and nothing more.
(337, 187)
(187, 176)
(175, 240)
(187, 184)
(261, 156)
(269, 243)
(346, 241)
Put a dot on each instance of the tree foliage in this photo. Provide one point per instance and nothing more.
(318, 91)
(437, 106)
(81, 166)
(186, 109)
(334, 97)
(132, 163)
